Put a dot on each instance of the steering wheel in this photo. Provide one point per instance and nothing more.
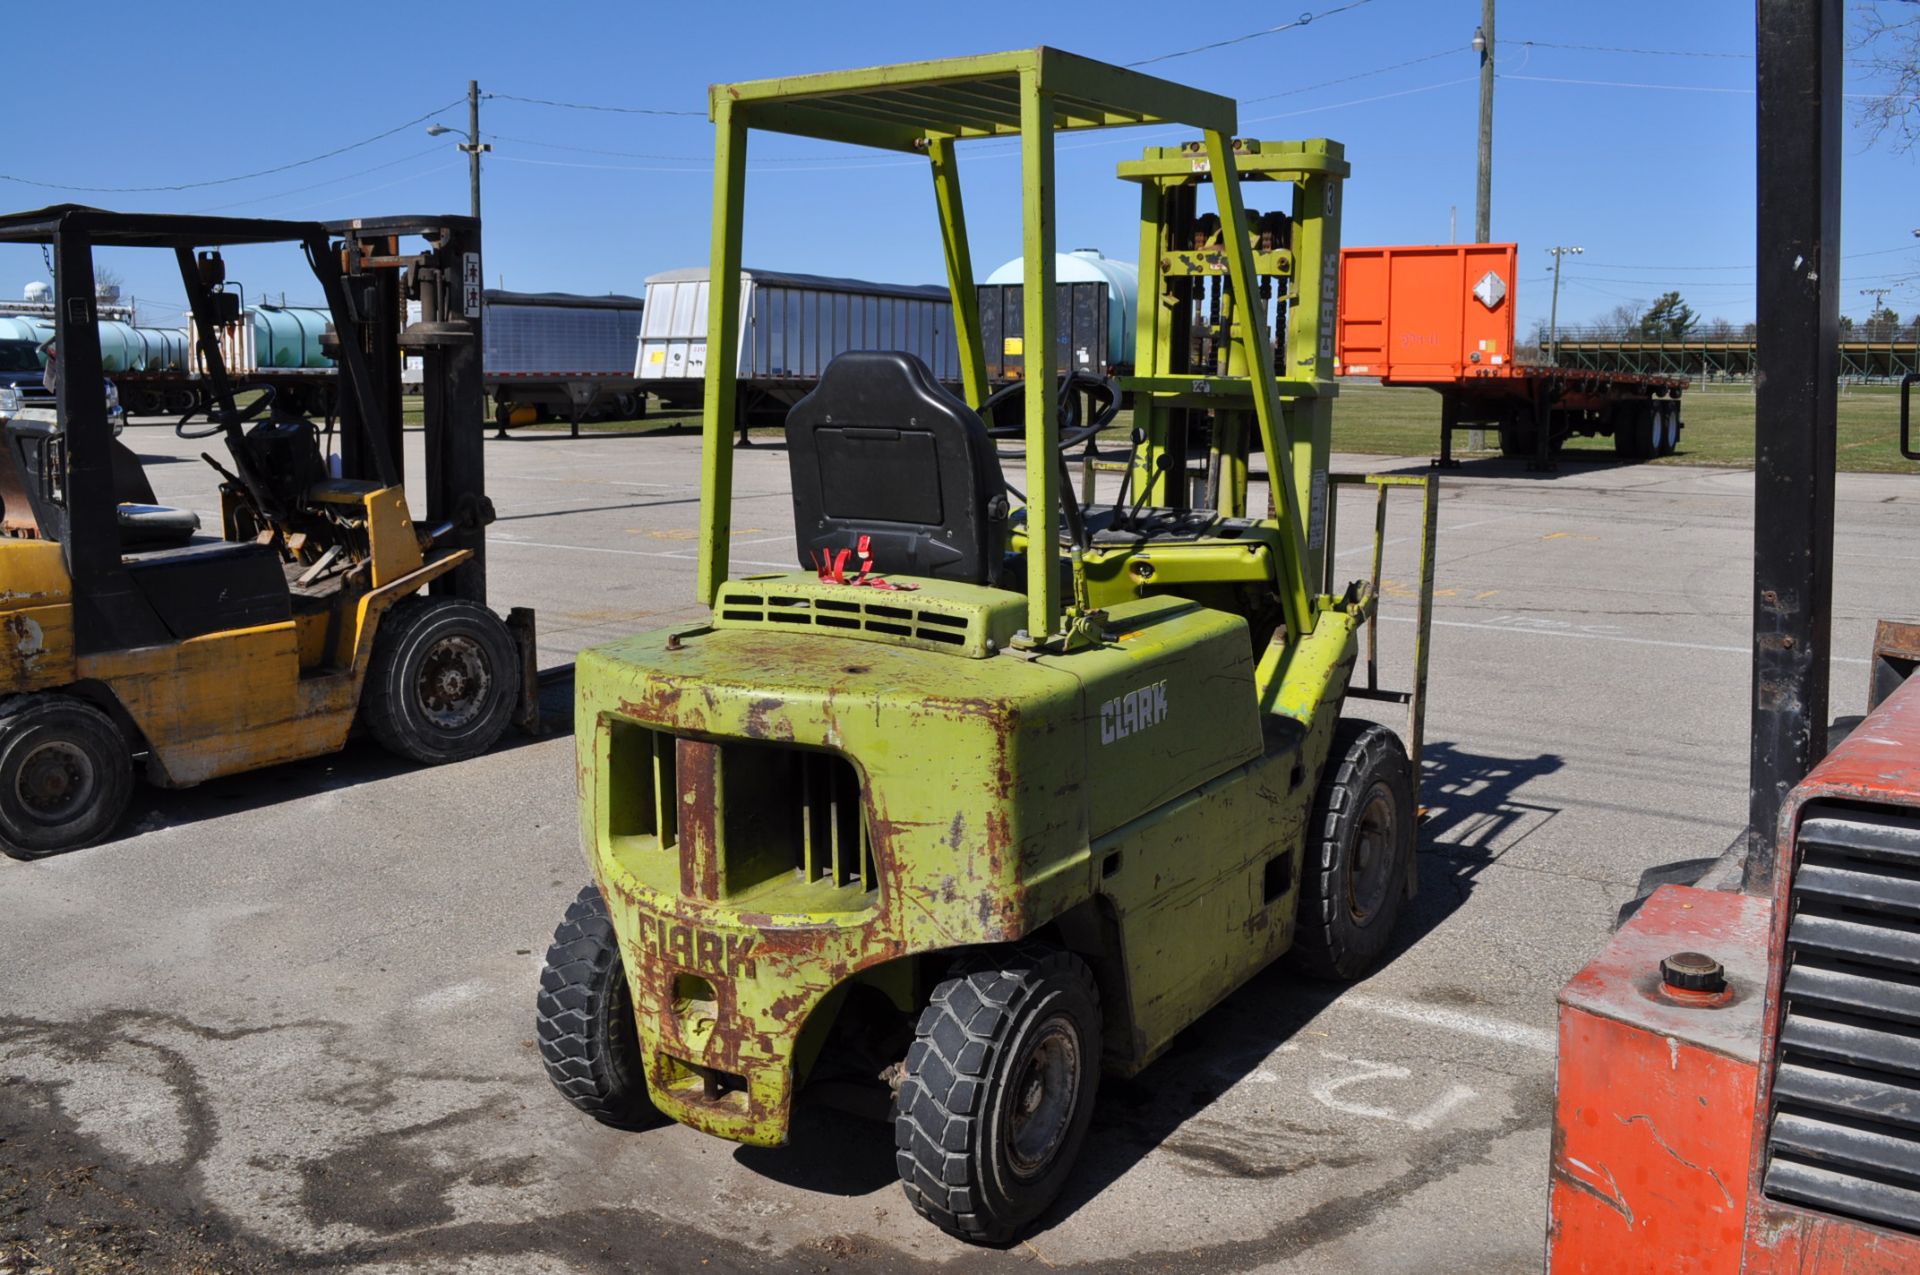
(218, 420)
(1077, 390)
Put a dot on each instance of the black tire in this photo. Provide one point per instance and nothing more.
(1633, 432)
(972, 1160)
(1360, 843)
(1669, 428)
(1516, 441)
(443, 680)
(583, 1018)
(65, 775)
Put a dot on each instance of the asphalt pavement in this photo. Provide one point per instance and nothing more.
(286, 1019)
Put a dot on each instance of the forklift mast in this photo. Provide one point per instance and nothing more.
(1191, 365)
(375, 279)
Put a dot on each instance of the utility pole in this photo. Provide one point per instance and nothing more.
(1553, 314)
(1483, 202)
(473, 146)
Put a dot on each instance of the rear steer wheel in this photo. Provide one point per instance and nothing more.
(443, 680)
(997, 1091)
(65, 775)
(1360, 844)
(583, 1018)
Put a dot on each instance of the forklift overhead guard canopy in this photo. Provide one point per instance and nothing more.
(925, 108)
(110, 229)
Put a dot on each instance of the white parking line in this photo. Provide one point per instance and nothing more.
(1532, 631)
(1538, 1039)
(677, 555)
(1367, 547)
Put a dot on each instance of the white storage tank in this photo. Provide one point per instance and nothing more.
(1086, 266)
(26, 327)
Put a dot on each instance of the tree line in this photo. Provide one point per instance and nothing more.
(1670, 318)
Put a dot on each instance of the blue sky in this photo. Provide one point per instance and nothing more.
(1643, 159)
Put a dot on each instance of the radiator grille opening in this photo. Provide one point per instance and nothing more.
(783, 816)
(642, 787)
(792, 815)
(1843, 1135)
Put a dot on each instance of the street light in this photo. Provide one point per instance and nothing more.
(473, 146)
(1553, 315)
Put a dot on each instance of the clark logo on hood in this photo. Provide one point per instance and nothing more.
(1133, 712)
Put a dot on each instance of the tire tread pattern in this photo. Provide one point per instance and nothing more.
(382, 705)
(938, 1121)
(583, 1021)
(1360, 748)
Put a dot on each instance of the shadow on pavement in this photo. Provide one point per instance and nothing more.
(362, 761)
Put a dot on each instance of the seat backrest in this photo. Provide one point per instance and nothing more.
(881, 449)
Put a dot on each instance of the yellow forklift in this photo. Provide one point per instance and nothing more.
(129, 634)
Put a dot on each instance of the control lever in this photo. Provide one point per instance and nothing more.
(1160, 466)
(222, 470)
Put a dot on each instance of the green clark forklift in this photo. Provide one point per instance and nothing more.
(1002, 788)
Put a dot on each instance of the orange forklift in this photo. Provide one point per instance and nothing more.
(1739, 1070)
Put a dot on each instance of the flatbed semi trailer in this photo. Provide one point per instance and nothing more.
(1442, 316)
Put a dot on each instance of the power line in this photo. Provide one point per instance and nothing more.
(1625, 84)
(706, 159)
(1360, 101)
(344, 177)
(226, 181)
(1652, 53)
(1676, 88)
(616, 110)
(1358, 75)
(1851, 256)
(1304, 19)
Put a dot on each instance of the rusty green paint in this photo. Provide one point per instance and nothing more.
(1140, 753)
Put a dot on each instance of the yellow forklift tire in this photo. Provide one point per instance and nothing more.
(443, 681)
(997, 1090)
(583, 1018)
(1360, 843)
(65, 775)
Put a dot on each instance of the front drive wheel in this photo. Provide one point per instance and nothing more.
(65, 775)
(443, 680)
(583, 1018)
(997, 1092)
(1360, 844)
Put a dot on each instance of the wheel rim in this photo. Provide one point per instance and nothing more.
(454, 682)
(55, 782)
(1375, 835)
(1041, 1101)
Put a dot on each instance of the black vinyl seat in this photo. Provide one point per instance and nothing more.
(212, 586)
(881, 449)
